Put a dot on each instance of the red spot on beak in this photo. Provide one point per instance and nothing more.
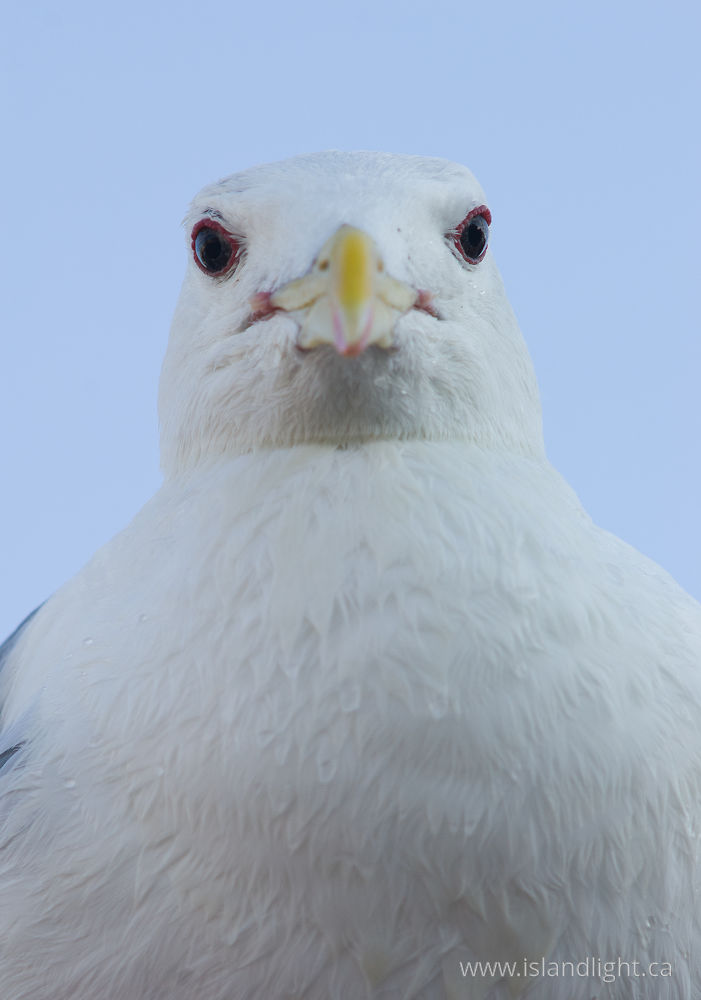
(355, 347)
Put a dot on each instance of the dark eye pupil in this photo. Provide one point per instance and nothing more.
(213, 250)
(474, 236)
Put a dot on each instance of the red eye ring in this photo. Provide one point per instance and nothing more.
(470, 238)
(214, 249)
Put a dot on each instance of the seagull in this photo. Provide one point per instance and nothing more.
(361, 705)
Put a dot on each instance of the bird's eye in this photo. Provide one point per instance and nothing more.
(472, 235)
(215, 250)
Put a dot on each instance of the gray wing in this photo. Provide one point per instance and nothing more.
(9, 745)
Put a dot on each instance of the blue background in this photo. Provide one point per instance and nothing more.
(581, 121)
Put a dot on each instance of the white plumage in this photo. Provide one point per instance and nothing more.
(361, 694)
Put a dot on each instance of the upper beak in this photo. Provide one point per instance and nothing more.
(350, 301)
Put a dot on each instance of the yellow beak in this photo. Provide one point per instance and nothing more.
(349, 300)
(353, 267)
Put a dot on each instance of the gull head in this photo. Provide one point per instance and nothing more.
(338, 298)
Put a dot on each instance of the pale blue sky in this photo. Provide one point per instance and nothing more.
(580, 119)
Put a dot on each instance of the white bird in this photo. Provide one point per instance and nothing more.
(361, 698)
